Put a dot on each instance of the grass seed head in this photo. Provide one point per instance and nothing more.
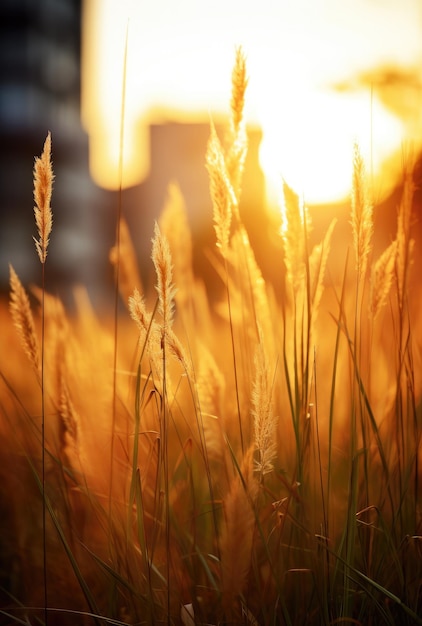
(362, 214)
(23, 320)
(43, 186)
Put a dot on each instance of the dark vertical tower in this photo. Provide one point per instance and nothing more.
(40, 92)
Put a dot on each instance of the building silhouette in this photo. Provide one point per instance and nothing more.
(40, 92)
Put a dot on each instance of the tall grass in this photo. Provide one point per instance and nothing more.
(265, 460)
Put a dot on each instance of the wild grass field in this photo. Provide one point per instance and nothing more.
(254, 461)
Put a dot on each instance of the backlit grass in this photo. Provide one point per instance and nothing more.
(254, 461)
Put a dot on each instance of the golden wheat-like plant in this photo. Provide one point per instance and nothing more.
(262, 413)
(138, 311)
(68, 415)
(405, 243)
(361, 213)
(163, 264)
(317, 266)
(243, 256)
(382, 279)
(239, 85)
(129, 276)
(161, 258)
(237, 535)
(43, 186)
(174, 225)
(222, 194)
(149, 331)
(23, 320)
(295, 222)
(238, 141)
(210, 385)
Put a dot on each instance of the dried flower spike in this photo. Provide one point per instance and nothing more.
(264, 420)
(382, 278)
(238, 141)
(222, 194)
(295, 225)
(23, 321)
(161, 258)
(43, 185)
(362, 214)
(239, 84)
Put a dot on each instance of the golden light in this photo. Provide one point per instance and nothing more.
(323, 75)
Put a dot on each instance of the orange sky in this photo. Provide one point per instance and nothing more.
(311, 64)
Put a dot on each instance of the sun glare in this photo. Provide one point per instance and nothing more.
(322, 76)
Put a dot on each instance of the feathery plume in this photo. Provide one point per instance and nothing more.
(382, 278)
(293, 228)
(138, 312)
(23, 320)
(251, 280)
(68, 415)
(149, 331)
(161, 258)
(317, 265)
(43, 185)
(238, 141)
(362, 213)
(222, 194)
(142, 319)
(237, 536)
(404, 242)
(239, 85)
(210, 387)
(262, 413)
(174, 225)
(129, 277)
(178, 351)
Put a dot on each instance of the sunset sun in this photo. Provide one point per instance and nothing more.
(318, 83)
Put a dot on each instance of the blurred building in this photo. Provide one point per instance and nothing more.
(177, 155)
(40, 53)
(40, 92)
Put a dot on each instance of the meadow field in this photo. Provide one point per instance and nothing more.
(251, 459)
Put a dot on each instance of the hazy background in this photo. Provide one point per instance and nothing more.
(178, 75)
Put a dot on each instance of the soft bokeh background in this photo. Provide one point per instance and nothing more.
(322, 73)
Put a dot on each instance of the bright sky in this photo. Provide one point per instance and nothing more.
(180, 56)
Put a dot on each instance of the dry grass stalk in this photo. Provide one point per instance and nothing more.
(43, 186)
(222, 194)
(262, 413)
(361, 214)
(239, 85)
(238, 143)
(317, 266)
(68, 416)
(293, 231)
(129, 276)
(138, 311)
(244, 256)
(404, 242)
(253, 298)
(23, 320)
(177, 350)
(237, 536)
(382, 278)
(60, 343)
(174, 225)
(263, 551)
(210, 386)
(161, 258)
(149, 331)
